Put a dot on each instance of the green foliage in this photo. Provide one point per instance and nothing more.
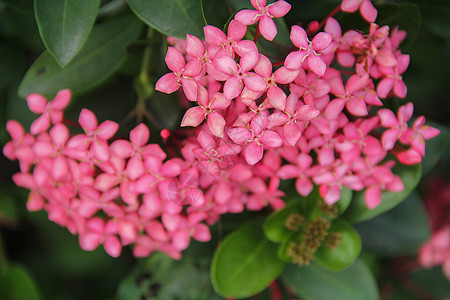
(245, 262)
(18, 284)
(99, 59)
(65, 25)
(358, 210)
(406, 16)
(160, 278)
(435, 16)
(317, 283)
(174, 18)
(393, 233)
(345, 252)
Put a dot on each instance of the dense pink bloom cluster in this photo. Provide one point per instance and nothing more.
(306, 120)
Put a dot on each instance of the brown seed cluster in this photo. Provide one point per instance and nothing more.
(315, 233)
(330, 210)
(293, 221)
(334, 239)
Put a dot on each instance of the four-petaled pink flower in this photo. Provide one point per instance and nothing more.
(264, 14)
(365, 7)
(255, 137)
(183, 74)
(308, 51)
(50, 112)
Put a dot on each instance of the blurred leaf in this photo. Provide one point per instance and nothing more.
(162, 277)
(8, 209)
(22, 6)
(433, 280)
(102, 55)
(174, 18)
(358, 210)
(435, 16)
(435, 147)
(346, 251)
(16, 283)
(317, 283)
(406, 16)
(400, 231)
(245, 262)
(65, 25)
(12, 63)
(20, 27)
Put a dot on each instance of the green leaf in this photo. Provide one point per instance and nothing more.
(317, 283)
(98, 60)
(18, 284)
(20, 27)
(215, 12)
(161, 278)
(344, 200)
(400, 231)
(345, 253)
(435, 147)
(435, 16)
(64, 25)
(358, 210)
(433, 280)
(274, 226)
(22, 6)
(406, 16)
(8, 209)
(174, 18)
(245, 262)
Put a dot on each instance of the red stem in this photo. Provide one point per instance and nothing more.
(71, 123)
(256, 33)
(322, 23)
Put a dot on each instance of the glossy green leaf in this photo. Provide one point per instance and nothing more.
(18, 284)
(345, 253)
(64, 25)
(358, 210)
(215, 12)
(316, 283)
(174, 18)
(400, 231)
(99, 58)
(274, 226)
(406, 16)
(245, 262)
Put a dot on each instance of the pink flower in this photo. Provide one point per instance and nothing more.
(239, 74)
(94, 139)
(255, 137)
(183, 75)
(209, 109)
(51, 112)
(396, 124)
(366, 8)
(309, 51)
(264, 14)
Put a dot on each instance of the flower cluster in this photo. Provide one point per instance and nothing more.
(315, 118)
